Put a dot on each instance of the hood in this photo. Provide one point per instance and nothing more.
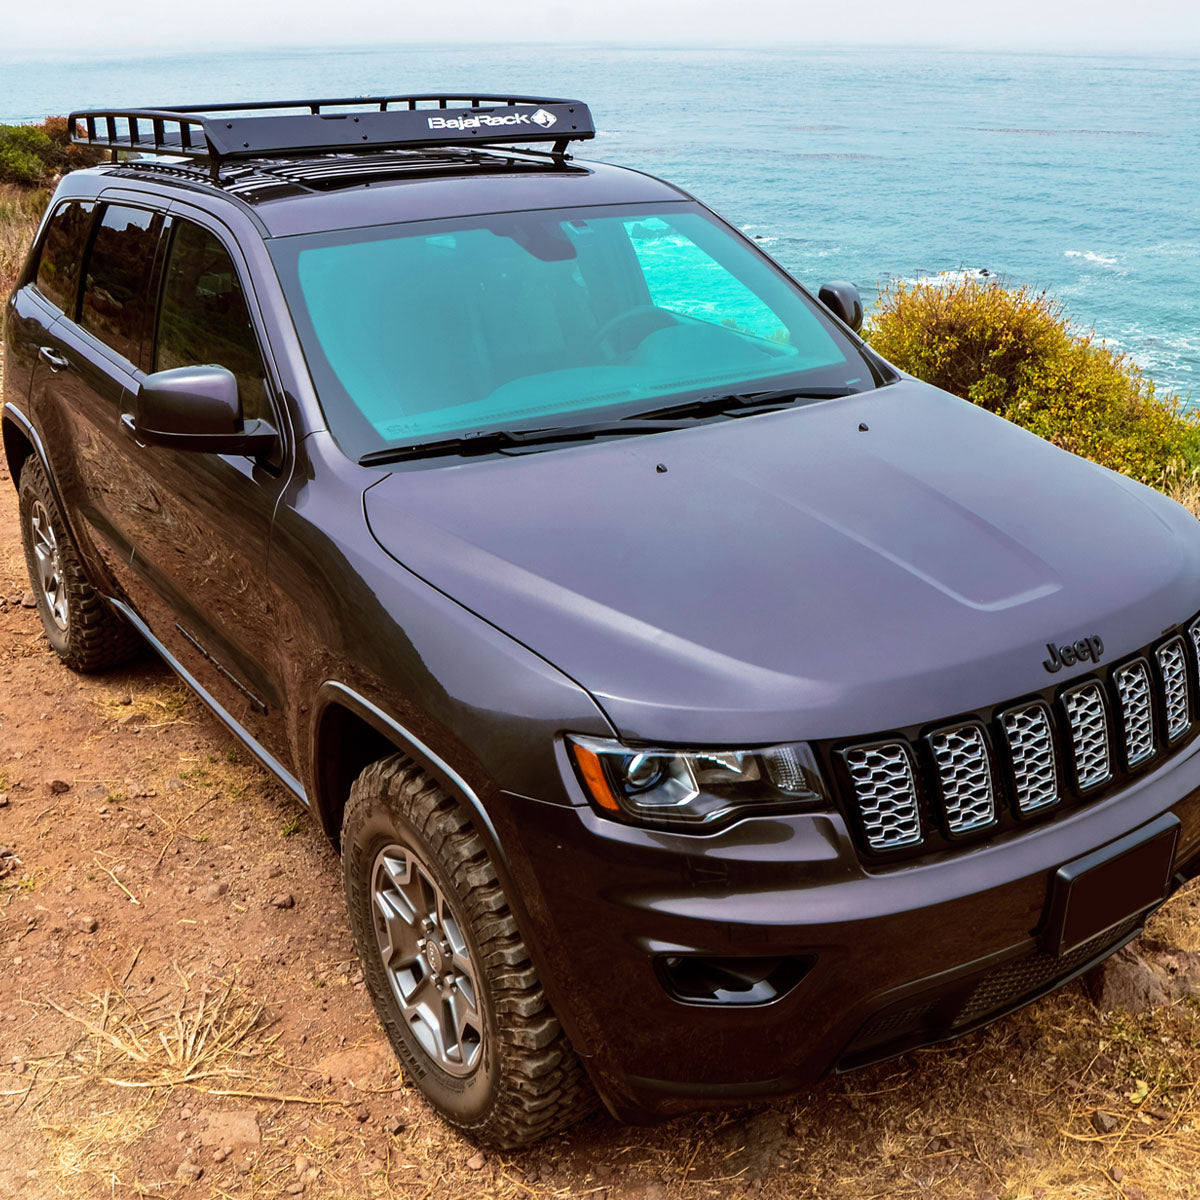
(831, 570)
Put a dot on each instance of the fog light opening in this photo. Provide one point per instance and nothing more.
(730, 981)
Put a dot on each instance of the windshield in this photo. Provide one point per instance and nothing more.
(433, 329)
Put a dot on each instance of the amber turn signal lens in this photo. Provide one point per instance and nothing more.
(592, 770)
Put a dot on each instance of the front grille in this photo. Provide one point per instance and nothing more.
(1031, 748)
(965, 776)
(887, 795)
(1137, 716)
(925, 789)
(1086, 712)
(1173, 665)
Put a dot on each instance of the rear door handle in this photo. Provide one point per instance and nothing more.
(52, 358)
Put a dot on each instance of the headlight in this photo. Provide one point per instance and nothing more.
(696, 788)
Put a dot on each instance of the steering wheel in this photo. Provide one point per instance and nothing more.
(647, 317)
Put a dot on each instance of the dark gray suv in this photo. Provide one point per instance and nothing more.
(700, 705)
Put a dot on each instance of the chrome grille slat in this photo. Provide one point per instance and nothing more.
(965, 775)
(1137, 711)
(885, 788)
(1031, 751)
(1172, 662)
(1086, 714)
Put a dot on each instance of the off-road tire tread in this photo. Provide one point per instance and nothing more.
(542, 1087)
(97, 637)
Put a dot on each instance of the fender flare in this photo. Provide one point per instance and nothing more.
(408, 743)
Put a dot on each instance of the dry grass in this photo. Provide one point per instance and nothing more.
(20, 211)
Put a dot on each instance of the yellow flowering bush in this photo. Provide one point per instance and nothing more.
(1015, 353)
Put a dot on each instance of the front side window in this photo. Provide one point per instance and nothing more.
(118, 273)
(203, 318)
(61, 254)
(432, 329)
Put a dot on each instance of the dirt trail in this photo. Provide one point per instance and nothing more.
(181, 1013)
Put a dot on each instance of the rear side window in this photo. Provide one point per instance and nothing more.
(118, 274)
(203, 318)
(62, 253)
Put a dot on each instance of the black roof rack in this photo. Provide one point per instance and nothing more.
(220, 133)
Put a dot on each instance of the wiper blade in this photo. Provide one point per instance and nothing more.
(732, 401)
(488, 441)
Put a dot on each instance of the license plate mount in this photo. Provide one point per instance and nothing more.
(1105, 888)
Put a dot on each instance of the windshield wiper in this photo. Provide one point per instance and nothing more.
(488, 441)
(733, 401)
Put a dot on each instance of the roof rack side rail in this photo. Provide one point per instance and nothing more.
(267, 129)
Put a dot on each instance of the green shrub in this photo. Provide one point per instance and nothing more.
(33, 154)
(24, 154)
(1014, 353)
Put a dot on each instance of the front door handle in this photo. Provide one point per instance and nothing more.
(52, 358)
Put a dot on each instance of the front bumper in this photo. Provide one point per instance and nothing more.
(898, 956)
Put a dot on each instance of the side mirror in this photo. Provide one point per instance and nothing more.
(842, 299)
(196, 408)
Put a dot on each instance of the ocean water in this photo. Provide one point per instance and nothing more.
(1077, 175)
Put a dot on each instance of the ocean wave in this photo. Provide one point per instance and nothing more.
(948, 278)
(1091, 256)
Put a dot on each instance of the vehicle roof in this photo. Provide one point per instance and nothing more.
(283, 207)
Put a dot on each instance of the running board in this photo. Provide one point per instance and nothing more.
(263, 755)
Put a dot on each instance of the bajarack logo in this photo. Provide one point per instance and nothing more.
(488, 120)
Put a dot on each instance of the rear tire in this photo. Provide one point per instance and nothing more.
(450, 977)
(83, 630)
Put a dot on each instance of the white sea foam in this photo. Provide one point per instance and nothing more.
(1092, 257)
(949, 278)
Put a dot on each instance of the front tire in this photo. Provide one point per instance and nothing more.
(448, 972)
(83, 631)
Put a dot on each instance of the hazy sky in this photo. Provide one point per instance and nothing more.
(91, 26)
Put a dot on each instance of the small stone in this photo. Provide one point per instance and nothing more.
(1116, 1174)
(295, 1189)
(394, 1126)
(274, 871)
(185, 1112)
(188, 1172)
(215, 891)
(175, 785)
(477, 1161)
(283, 900)
(86, 923)
(129, 720)
(3, 799)
(363, 1115)
(220, 1155)
(310, 1175)
(180, 1136)
(1103, 1122)
(126, 699)
(301, 1165)
(58, 786)
(29, 600)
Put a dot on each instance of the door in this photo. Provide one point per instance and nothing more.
(199, 524)
(88, 368)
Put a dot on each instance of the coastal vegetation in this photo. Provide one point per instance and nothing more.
(1015, 353)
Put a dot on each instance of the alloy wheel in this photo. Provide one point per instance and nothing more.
(49, 565)
(427, 960)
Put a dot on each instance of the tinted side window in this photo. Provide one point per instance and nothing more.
(118, 273)
(62, 254)
(203, 318)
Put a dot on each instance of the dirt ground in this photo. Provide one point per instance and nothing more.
(181, 1014)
